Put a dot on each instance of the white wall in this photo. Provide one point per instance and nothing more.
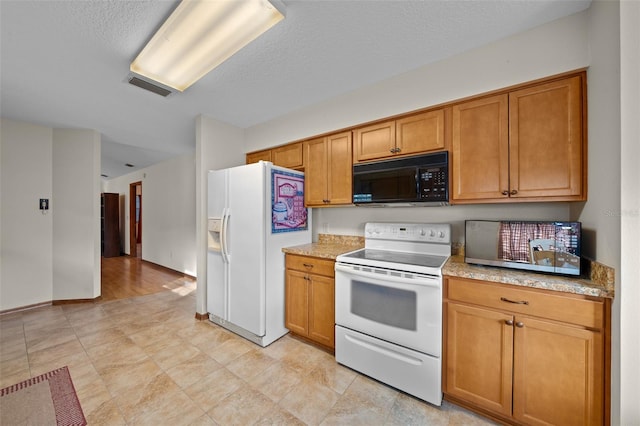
(26, 261)
(218, 146)
(76, 214)
(351, 220)
(168, 212)
(600, 214)
(550, 49)
(629, 293)
(52, 256)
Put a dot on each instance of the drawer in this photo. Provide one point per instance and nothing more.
(312, 265)
(574, 309)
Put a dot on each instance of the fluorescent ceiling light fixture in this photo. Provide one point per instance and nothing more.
(200, 35)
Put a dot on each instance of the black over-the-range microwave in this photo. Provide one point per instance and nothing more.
(419, 180)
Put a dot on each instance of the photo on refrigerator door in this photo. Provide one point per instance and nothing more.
(287, 202)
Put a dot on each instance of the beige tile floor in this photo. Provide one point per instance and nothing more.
(146, 360)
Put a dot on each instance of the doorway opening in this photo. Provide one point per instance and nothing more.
(135, 219)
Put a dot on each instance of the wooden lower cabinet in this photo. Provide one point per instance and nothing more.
(310, 299)
(517, 366)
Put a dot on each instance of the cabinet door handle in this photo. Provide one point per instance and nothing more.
(307, 265)
(508, 322)
(519, 324)
(517, 302)
(513, 192)
(505, 192)
(392, 150)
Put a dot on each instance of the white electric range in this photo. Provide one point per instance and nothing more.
(389, 306)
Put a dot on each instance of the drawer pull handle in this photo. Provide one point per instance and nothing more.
(519, 324)
(517, 302)
(508, 322)
(307, 265)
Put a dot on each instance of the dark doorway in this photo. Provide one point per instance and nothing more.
(135, 219)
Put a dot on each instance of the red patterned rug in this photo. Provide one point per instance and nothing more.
(48, 399)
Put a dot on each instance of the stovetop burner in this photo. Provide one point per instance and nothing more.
(395, 257)
(416, 247)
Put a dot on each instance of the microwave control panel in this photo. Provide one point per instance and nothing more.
(434, 183)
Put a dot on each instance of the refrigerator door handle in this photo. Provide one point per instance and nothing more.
(223, 236)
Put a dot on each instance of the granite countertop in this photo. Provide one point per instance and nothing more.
(328, 246)
(600, 285)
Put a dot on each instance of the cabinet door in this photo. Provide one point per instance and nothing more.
(375, 141)
(297, 302)
(322, 310)
(558, 373)
(420, 133)
(480, 149)
(315, 172)
(254, 157)
(288, 156)
(340, 169)
(546, 142)
(479, 357)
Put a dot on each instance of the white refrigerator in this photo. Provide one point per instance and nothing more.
(253, 212)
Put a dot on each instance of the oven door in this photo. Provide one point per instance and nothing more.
(401, 308)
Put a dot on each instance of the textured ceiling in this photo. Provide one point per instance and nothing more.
(65, 63)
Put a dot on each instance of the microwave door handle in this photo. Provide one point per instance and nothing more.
(420, 279)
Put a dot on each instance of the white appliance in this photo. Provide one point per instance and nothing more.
(254, 211)
(389, 306)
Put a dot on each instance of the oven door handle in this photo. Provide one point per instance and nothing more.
(417, 278)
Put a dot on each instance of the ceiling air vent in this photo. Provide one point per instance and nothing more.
(143, 84)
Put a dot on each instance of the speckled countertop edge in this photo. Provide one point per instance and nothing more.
(456, 267)
(328, 246)
(600, 284)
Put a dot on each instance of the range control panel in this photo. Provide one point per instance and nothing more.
(418, 232)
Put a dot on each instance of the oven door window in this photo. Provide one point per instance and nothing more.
(384, 305)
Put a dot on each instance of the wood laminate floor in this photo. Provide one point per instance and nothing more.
(125, 276)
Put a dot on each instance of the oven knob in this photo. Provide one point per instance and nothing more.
(423, 232)
(432, 233)
(441, 234)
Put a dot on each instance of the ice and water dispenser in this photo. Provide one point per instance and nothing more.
(215, 228)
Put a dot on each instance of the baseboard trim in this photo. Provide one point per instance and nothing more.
(162, 266)
(24, 308)
(74, 301)
(202, 317)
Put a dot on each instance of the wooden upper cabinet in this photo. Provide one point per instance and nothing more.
(480, 149)
(289, 156)
(525, 145)
(421, 133)
(328, 170)
(546, 145)
(374, 141)
(410, 135)
(254, 157)
(316, 159)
